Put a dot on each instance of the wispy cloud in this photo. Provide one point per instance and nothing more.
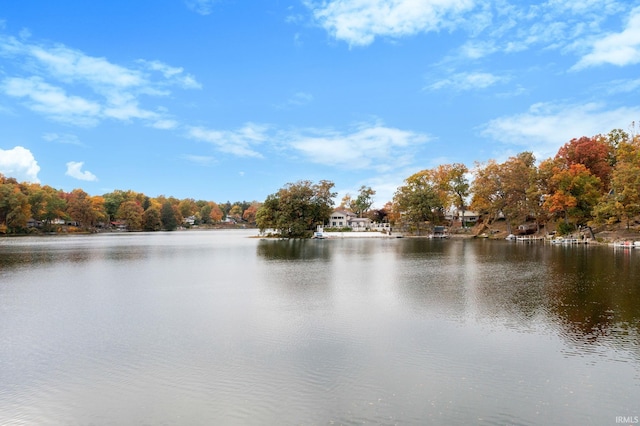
(467, 81)
(65, 138)
(238, 142)
(201, 7)
(492, 27)
(19, 163)
(359, 22)
(619, 49)
(546, 127)
(51, 101)
(201, 160)
(297, 100)
(74, 169)
(173, 75)
(67, 85)
(365, 146)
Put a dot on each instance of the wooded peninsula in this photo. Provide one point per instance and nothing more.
(590, 182)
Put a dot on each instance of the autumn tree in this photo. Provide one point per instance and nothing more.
(296, 209)
(235, 213)
(489, 195)
(419, 201)
(210, 212)
(574, 193)
(594, 153)
(518, 177)
(249, 214)
(452, 185)
(131, 212)
(506, 188)
(345, 203)
(81, 208)
(623, 200)
(187, 207)
(14, 208)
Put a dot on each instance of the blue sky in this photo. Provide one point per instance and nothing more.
(230, 100)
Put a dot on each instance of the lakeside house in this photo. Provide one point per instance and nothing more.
(347, 219)
(468, 217)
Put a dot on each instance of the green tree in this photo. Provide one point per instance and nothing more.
(112, 201)
(55, 205)
(363, 201)
(168, 217)
(151, 219)
(235, 213)
(295, 210)
(419, 201)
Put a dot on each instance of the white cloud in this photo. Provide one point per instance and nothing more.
(66, 138)
(114, 90)
(367, 146)
(52, 101)
(546, 127)
(618, 48)
(467, 81)
(202, 7)
(20, 164)
(165, 124)
(74, 169)
(359, 22)
(173, 74)
(236, 142)
(75, 66)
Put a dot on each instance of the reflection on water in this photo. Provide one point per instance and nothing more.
(306, 250)
(219, 328)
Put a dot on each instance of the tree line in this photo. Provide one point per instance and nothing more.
(590, 181)
(31, 207)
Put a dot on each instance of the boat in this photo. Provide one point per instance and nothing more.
(510, 237)
(319, 234)
(529, 239)
(566, 241)
(439, 232)
(627, 244)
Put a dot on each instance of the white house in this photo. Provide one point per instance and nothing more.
(344, 219)
(456, 214)
(340, 219)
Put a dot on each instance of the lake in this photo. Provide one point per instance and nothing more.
(215, 327)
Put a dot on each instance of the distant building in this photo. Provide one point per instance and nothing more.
(457, 215)
(345, 219)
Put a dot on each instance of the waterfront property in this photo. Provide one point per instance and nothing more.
(347, 219)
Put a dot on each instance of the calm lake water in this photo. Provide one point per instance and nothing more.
(213, 327)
